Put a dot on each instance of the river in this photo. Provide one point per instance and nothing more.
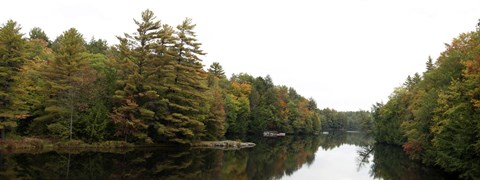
(327, 156)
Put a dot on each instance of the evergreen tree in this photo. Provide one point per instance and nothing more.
(30, 87)
(455, 132)
(429, 64)
(215, 74)
(12, 57)
(149, 88)
(186, 113)
(388, 119)
(135, 95)
(97, 46)
(37, 33)
(439, 110)
(215, 122)
(261, 112)
(217, 70)
(67, 77)
(408, 83)
(161, 78)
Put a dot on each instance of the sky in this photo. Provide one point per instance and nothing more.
(338, 163)
(345, 54)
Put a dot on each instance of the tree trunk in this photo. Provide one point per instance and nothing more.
(71, 121)
(71, 113)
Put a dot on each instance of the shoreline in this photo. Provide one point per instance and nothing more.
(225, 144)
(37, 145)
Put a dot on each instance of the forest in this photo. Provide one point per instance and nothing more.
(150, 88)
(333, 120)
(435, 116)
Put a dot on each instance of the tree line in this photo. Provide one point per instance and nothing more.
(333, 120)
(435, 116)
(149, 88)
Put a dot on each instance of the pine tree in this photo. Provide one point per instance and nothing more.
(429, 64)
(12, 57)
(215, 74)
(215, 122)
(136, 94)
(264, 105)
(29, 96)
(455, 132)
(67, 76)
(186, 113)
(97, 46)
(217, 70)
(440, 111)
(37, 33)
(408, 83)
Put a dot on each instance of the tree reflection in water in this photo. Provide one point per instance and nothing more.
(390, 162)
(272, 158)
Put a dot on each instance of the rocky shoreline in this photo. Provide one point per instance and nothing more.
(227, 144)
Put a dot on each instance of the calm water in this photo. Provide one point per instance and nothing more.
(332, 156)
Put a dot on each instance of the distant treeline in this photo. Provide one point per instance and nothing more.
(149, 88)
(347, 120)
(435, 116)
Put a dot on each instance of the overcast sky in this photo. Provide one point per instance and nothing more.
(346, 54)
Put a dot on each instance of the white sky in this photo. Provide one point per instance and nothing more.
(340, 163)
(346, 54)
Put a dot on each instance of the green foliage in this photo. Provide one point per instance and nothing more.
(59, 130)
(349, 120)
(390, 162)
(215, 122)
(216, 70)
(187, 107)
(97, 46)
(274, 160)
(93, 123)
(38, 34)
(254, 105)
(12, 58)
(134, 110)
(438, 113)
(69, 79)
(162, 85)
(387, 124)
(150, 88)
(29, 96)
(333, 120)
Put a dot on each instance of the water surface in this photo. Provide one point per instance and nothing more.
(327, 156)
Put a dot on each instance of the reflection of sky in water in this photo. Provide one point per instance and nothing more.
(337, 163)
